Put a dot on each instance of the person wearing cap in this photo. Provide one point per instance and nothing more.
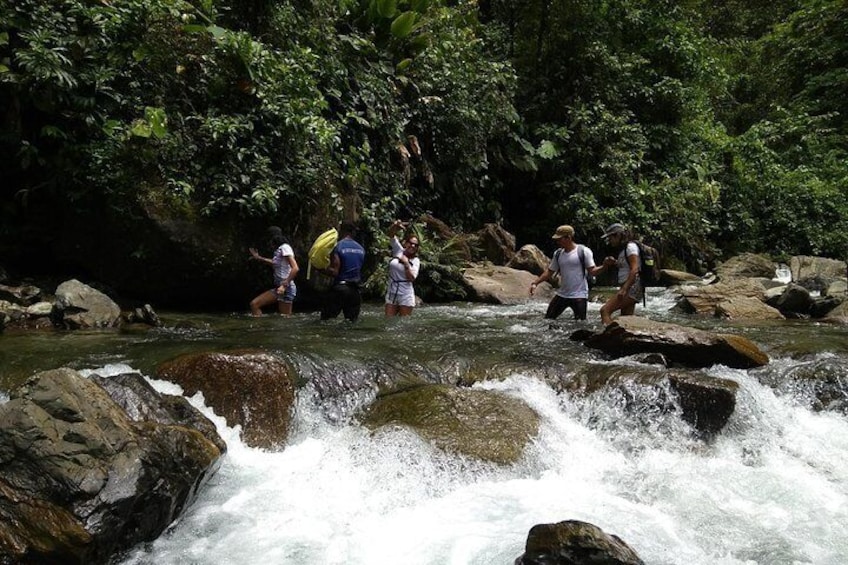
(574, 263)
(630, 290)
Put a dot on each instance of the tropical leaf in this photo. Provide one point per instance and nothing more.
(386, 8)
(403, 24)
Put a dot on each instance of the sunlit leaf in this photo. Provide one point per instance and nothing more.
(141, 128)
(402, 25)
(547, 150)
(217, 31)
(158, 121)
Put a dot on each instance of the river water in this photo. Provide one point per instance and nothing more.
(771, 488)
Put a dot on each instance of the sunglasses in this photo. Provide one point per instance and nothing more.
(410, 244)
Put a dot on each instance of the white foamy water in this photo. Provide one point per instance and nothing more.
(771, 489)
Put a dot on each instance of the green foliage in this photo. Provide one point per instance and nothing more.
(701, 124)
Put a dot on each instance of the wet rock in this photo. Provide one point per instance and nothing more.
(706, 403)
(502, 285)
(822, 383)
(690, 347)
(143, 315)
(486, 425)
(252, 389)
(80, 306)
(143, 403)
(794, 299)
(823, 306)
(573, 542)
(81, 480)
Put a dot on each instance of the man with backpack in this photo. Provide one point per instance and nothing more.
(631, 290)
(346, 262)
(575, 263)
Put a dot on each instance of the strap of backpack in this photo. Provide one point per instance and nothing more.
(581, 254)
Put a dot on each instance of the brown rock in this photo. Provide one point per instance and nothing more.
(250, 388)
(680, 345)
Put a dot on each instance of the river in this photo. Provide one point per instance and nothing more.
(771, 488)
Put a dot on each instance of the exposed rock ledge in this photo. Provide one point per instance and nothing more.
(81, 479)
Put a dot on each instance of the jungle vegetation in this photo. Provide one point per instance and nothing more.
(711, 127)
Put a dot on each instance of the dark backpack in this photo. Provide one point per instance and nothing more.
(649, 265)
(581, 253)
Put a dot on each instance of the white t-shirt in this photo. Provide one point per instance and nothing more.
(282, 267)
(400, 290)
(622, 264)
(572, 275)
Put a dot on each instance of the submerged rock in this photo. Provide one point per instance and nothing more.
(80, 479)
(573, 542)
(705, 402)
(252, 389)
(483, 424)
(689, 347)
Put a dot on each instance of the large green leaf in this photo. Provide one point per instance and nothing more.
(386, 8)
(403, 24)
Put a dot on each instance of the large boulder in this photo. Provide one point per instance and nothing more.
(486, 425)
(502, 285)
(794, 299)
(252, 389)
(702, 299)
(529, 258)
(496, 244)
(573, 542)
(78, 305)
(803, 267)
(746, 265)
(81, 479)
(689, 347)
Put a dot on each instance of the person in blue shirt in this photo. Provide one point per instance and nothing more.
(346, 262)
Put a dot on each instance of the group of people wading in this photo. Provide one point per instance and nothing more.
(573, 262)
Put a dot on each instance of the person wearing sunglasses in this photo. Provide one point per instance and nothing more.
(403, 269)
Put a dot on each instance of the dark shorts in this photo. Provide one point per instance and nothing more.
(559, 304)
(343, 297)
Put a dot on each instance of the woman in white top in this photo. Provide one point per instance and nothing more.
(631, 290)
(285, 270)
(403, 268)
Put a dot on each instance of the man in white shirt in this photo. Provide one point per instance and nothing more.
(575, 263)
